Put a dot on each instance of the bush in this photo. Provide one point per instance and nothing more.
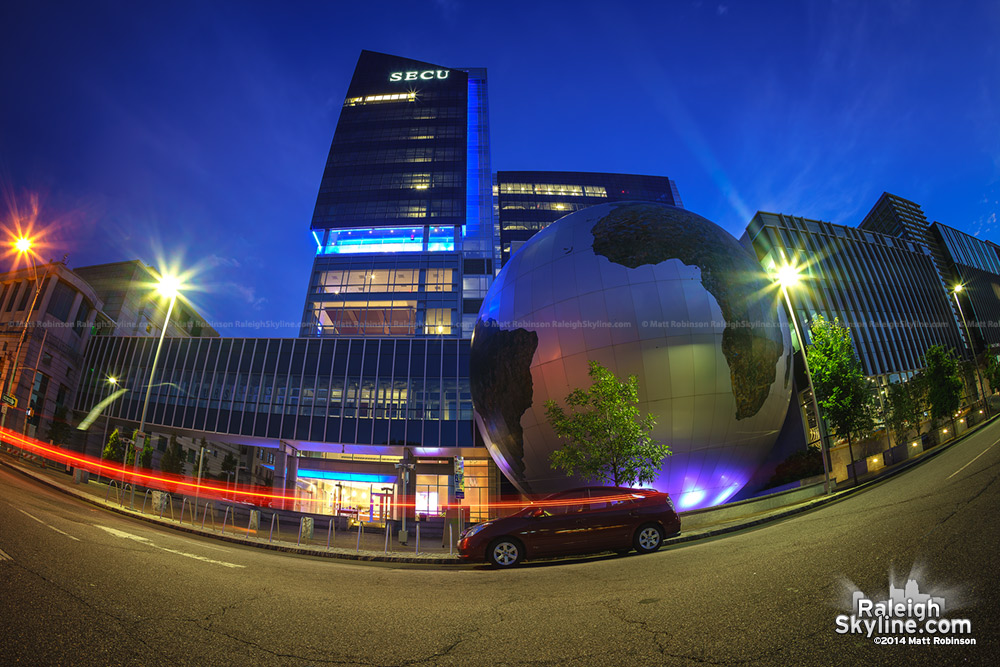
(801, 464)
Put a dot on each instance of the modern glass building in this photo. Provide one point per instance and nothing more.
(351, 406)
(891, 280)
(403, 220)
(529, 201)
(974, 264)
(887, 289)
(959, 258)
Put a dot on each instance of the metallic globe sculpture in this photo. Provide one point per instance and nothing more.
(649, 290)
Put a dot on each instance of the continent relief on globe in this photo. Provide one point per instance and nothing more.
(500, 382)
(636, 234)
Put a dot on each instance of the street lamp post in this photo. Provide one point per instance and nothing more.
(404, 476)
(787, 277)
(975, 361)
(23, 247)
(236, 481)
(169, 287)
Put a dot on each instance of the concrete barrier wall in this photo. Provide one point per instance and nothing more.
(710, 515)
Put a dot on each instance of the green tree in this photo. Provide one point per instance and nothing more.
(608, 440)
(173, 459)
(992, 373)
(228, 464)
(896, 411)
(841, 388)
(114, 448)
(944, 387)
(906, 406)
(146, 457)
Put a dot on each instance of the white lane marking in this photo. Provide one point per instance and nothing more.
(4, 555)
(149, 543)
(49, 525)
(970, 462)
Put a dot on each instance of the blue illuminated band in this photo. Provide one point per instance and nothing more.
(386, 240)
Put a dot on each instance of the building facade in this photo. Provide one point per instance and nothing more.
(132, 306)
(886, 289)
(529, 201)
(892, 280)
(42, 339)
(336, 413)
(403, 220)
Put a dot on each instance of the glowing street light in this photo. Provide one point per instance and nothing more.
(788, 276)
(982, 387)
(23, 246)
(168, 286)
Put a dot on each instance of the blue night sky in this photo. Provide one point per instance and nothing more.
(198, 131)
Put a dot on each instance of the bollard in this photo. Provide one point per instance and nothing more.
(416, 549)
(226, 516)
(329, 530)
(253, 525)
(358, 548)
(386, 537)
(112, 484)
(169, 501)
(207, 505)
(306, 525)
(144, 497)
(451, 540)
(274, 518)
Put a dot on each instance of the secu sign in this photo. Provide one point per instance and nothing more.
(424, 75)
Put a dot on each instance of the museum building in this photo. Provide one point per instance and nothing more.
(373, 399)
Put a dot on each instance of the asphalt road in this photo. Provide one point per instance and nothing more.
(81, 586)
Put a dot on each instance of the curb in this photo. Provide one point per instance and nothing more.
(371, 556)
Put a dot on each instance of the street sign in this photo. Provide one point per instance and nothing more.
(459, 478)
(10, 399)
(140, 440)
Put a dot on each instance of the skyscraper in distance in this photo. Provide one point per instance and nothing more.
(529, 201)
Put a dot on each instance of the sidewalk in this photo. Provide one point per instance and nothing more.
(328, 541)
(285, 535)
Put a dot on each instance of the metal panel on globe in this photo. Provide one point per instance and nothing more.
(649, 290)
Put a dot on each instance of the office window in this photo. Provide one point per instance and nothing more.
(438, 280)
(61, 301)
(438, 321)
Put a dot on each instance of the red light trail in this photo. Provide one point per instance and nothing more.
(251, 494)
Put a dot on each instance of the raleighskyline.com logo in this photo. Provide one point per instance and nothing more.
(907, 616)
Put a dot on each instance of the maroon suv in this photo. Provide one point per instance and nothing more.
(585, 520)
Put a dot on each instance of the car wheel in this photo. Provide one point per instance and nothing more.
(505, 552)
(648, 538)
